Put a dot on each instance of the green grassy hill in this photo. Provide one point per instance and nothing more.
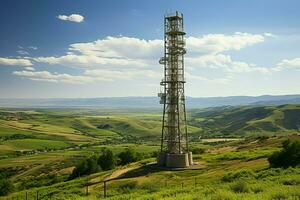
(39, 149)
(232, 170)
(229, 121)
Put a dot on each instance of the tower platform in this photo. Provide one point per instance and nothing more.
(182, 160)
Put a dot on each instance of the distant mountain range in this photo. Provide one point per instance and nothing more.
(148, 102)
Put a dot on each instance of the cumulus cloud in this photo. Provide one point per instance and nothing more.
(87, 77)
(288, 64)
(127, 57)
(220, 61)
(109, 52)
(134, 52)
(15, 61)
(208, 52)
(52, 77)
(121, 47)
(73, 18)
(30, 68)
(270, 35)
(217, 43)
(86, 61)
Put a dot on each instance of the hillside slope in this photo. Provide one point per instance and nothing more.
(232, 170)
(228, 121)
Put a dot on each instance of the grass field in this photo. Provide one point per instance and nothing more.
(30, 144)
(238, 173)
(39, 149)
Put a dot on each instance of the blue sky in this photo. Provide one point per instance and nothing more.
(61, 48)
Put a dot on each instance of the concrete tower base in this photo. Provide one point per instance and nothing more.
(175, 160)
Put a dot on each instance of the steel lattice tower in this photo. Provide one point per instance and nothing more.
(174, 141)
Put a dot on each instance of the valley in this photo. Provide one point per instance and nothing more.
(39, 149)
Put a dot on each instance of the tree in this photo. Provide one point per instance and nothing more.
(92, 165)
(128, 156)
(5, 186)
(289, 156)
(87, 166)
(107, 159)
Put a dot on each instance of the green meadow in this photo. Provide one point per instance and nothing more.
(39, 149)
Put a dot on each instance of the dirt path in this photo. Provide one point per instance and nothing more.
(120, 172)
(113, 176)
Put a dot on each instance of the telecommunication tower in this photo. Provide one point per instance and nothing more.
(174, 140)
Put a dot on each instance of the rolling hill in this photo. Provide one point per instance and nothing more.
(229, 121)
(40, 147)
(232, 170)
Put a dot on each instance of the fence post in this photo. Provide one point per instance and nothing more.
(195, 182)
(104, 188)
(37, 195)
(26, 196)
(182, 184)
(87, 189)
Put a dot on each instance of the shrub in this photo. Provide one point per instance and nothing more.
(257, 190)
(198, 150)
(42, 180)
(5, 186)
(107, 160)
(291, 181)
(279, 196)
(154, 154)
(288, 156)
(271, 172)
(238, 175)
(128, 156)
(86, 167)
(262, 138)
(240, 187)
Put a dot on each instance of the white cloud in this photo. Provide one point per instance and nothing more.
(122, 47)
(29, 68)
(288, 64)
(270, 35)
(53, 77)
(86, 61)
(22, 52)
(220, 61)
(110, 52)
(217, 43)
(87, 77)
(73, 18)
(15, 61)
(127, 57)
(32, 47)
(134, 52)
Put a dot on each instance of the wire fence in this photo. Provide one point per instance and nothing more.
(105, 189)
